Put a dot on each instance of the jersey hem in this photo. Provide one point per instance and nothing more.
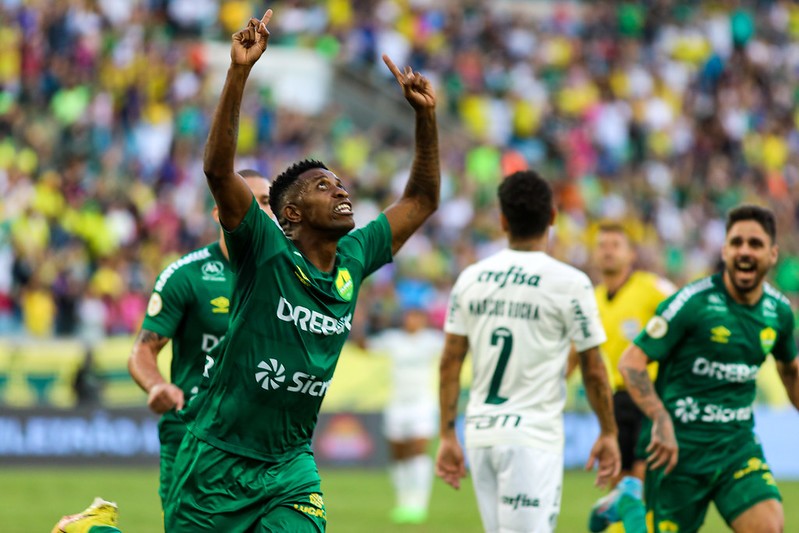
(247, 452)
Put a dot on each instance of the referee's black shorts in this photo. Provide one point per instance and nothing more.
(628, 420)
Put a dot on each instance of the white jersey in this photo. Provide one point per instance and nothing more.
(414, 368)
(521, 311)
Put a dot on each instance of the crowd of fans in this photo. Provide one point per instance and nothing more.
(661, 114)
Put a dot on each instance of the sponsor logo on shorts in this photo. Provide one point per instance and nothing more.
(754, 464)
(667, 526)
(730, 372)
(689, 410)
(520, 500)
(317, 507)
(272, 376)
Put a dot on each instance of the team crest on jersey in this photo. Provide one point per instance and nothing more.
(213, 271)
(220, 305)
(155, 304)
(720, 334)
(344, 284)
(767, 339)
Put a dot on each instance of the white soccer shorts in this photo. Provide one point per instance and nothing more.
(411, 421)
(518, 488)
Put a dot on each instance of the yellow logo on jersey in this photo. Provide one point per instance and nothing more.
(316, 500)
(720, 334)
(301, 276)
(767, 339)
(667, 526)
(221, 305)
(344, 284)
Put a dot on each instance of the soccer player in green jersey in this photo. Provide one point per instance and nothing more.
(190, 306)
(710, 339)
(246, 463)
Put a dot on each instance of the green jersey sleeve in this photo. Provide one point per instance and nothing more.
(371, 243)
(785, 348)
(168, 302)
(256, 233)
(671, 323)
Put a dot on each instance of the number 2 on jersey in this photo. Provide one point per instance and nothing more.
(505, 337)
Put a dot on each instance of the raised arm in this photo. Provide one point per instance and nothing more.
(597, 388)
(662, 447)
(232, 195)
(421, 196)
(789, 373)
(450, 465)
(143, 367)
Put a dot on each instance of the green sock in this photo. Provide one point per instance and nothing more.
(633, 514)
(103, 529)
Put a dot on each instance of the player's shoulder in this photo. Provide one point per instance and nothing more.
(782, 302)
(646, 282)
(692, 293)
(202, 261)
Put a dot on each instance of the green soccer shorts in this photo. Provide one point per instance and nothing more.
(213, 490)
(169, 450)
(680, 500)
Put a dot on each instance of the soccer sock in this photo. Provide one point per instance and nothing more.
(402, 477)
(633, 514)
(421, 468)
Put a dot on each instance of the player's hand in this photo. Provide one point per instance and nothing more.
(164, 397)
(417, 89)
(605, 452)
(250, 43)
(450, 465)
(662, 449)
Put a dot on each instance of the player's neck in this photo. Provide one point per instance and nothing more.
(613, 282)
(320, 253)
(528, 244)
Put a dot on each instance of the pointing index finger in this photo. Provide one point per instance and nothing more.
(392, 67)
(267, 16)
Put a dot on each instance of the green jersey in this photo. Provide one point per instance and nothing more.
(710, 349)
(288, 324)
(190, 304)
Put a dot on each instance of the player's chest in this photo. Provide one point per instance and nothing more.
(733, 335)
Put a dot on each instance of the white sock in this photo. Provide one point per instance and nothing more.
(421, 481)
(402, 479)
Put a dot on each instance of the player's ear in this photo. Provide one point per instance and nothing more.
(552, 215)
(292, 214)
(215, 214)
(503, 222)
(775, 254)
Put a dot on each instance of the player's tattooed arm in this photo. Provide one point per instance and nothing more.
(597, 388)
(421, 196)
(143, 361)
(455, 348)
(789, 373)
(663, 449)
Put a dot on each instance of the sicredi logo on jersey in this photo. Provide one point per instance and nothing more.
(272, 376)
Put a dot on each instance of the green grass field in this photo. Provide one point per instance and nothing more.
(357, 501)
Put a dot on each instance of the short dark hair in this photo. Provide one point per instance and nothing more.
(761, 215)
(616, 227)
(526, 201)
(283, 183)
(251, 173)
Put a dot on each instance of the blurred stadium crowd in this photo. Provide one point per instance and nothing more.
(662, 114)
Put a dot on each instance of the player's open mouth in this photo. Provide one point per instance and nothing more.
(344, 208)
(745, 267)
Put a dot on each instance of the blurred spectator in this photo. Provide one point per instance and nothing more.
(663, 113)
